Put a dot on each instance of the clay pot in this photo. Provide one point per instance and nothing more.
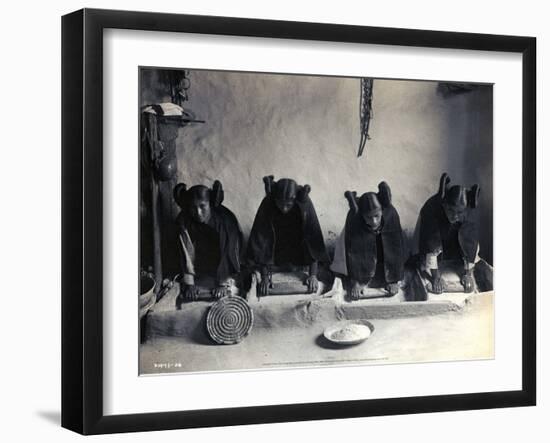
(167, 169)
(147, 297)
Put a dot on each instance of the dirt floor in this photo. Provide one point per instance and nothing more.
(462, 335)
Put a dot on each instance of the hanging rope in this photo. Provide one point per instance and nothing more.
(365, 112)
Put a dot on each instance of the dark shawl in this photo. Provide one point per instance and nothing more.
(261, 244)
(437, 233)
(230, 238)
(361, 249)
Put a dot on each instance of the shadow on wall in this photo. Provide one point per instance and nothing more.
(307, 128)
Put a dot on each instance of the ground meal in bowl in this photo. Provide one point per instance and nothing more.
(351, 332)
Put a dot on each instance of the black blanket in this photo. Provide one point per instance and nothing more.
(261, 244)
(224, 225)
(437, 234)
(362, 253)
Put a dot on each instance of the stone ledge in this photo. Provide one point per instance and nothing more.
(281, 311)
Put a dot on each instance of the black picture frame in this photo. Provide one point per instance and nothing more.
(82, 218)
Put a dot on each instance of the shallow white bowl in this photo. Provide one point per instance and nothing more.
(349, 332)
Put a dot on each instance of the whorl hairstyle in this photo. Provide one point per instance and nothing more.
(456, 194)
(286, 188)
(183, 196)
(383, 197)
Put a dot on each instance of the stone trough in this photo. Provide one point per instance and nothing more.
(169, 317)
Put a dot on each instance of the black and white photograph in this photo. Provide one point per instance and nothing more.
(333, 216)
(294, 221)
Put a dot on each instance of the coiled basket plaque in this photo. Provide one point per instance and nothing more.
(229, 320)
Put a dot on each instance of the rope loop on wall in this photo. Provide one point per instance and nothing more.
(365, 112)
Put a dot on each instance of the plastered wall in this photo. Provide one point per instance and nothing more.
(307, 128)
